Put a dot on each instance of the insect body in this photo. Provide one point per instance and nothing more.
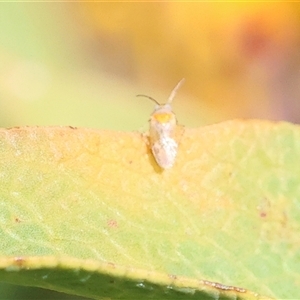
(162, 132)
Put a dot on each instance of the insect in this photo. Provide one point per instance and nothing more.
(162, 131)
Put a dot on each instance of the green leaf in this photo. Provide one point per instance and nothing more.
(89, 212)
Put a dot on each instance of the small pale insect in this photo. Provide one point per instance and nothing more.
(162, 131)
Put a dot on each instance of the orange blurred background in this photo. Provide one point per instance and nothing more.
(240, 59)
(83, 63)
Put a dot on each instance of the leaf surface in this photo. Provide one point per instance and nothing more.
(89, 212)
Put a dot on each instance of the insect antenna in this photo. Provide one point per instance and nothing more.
(149, 98)
(173, 93)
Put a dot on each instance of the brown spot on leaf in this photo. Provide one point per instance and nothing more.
(221, 286)
(19, 261)
(112, 265)
(112, 223)
(264, 207)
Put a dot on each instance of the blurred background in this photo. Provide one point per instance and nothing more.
(83, 63)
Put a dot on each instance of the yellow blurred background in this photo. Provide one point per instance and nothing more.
(83, 63)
